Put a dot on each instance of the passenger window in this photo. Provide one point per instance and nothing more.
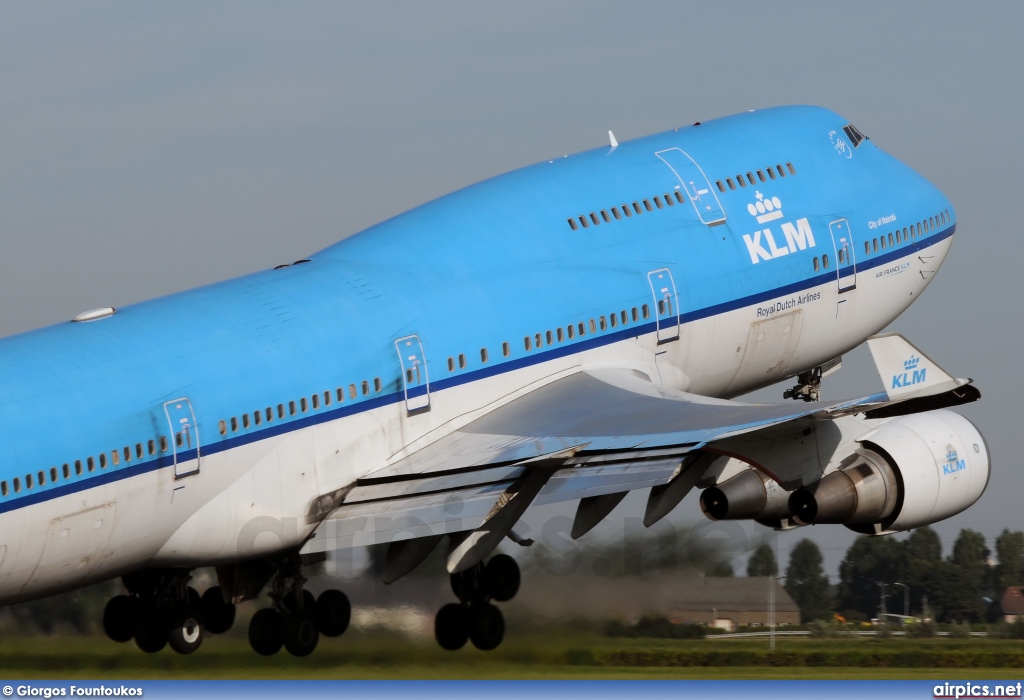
(782, 173)
(163, 445)
(572, 224)
(824, 261)
(815, 263)
(582, 328)
(750, 179)
(771, 173)
(647, 205)
(291, 406)
(91, 463)
(604, 215)
(890, 241)
(613, 317)
(245, 416)
(377, 385)
(223, 428)
(366, 389)
(842, 256)
(583, 221)
(28, 481)
(316, 405)
(760, 176)
(259, 419)
(3, 488)
(668, 200)
(657, 201)
(626, 211)
(661, 307)
(17, 485)
(538, 340)
(931, 222)
(152, 447)
(730, 183)
(103, 460)
(740, 181)
(483, 354)
(115, 457)
(42, 478)
(177, 439)
(549, 337)
(636, 314)
(352, 393)
(604, 325)
(679, 197)
(67, 475)
(646, 311)
(527, 344)
(570, 331)
(874, 244)
(462, 361)
(919, 232)
(78, 466)
(616, 214)
(636, 208)
(721, 187)
(408, 375)
(53, 473)
(505, 349)
(905, 234)
(451, 360)
(882, 239)
(593, 217)
(561, 335)
(792, 170)
(593, 326)
(867, 250)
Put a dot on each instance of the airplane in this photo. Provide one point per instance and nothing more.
(567, 332)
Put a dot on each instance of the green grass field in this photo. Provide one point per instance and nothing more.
(528, 655)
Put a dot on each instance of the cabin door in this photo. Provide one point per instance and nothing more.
(415, 379)
(666, 304)
(695, 185)
(846, 254)
(184, 437)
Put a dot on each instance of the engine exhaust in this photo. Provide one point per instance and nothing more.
(864, 490)
(748, 495)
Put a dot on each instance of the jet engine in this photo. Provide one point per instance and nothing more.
(909, 472)
(749, 494)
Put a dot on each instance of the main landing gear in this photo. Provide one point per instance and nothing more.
(161, 609)
(296, 618)
(475, 618)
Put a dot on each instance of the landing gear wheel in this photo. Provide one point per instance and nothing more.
(300, 632)
(466, 584)
(451, 626)
(333, 613)
(290, 602)
(266, 632)
(501, 578)
(119, 617)
(151, 628)
(218, 616)
(186, 632)
(486, 627)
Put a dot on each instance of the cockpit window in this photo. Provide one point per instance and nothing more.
(855, 136)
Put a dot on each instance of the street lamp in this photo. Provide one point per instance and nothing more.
(906, 601)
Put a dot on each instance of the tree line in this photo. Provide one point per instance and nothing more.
(957, 588)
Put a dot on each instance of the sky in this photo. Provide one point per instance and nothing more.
(147, 148)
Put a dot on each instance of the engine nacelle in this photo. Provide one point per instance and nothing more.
(911, 471)
(749, 494)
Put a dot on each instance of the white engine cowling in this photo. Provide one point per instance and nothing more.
(911, 471)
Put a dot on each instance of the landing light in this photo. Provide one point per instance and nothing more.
(94, 314)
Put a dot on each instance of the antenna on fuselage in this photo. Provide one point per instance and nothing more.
(611, 137)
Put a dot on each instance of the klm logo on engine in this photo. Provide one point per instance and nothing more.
(911, 374)
(953, 464)
(762, 244)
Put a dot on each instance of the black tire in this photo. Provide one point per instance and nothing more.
(150, 628)
(218, 616)
(333, 613)
(466, 584)
(300, 633)
(486, 627)
(291, 604)
(502, 578)
(186, 632)
(451, 626)
(266, 632)
(119, 618)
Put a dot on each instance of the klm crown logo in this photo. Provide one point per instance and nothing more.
(762, 244)
(911, 374)
(953, 463)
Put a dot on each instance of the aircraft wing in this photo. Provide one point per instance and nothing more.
(601, 433)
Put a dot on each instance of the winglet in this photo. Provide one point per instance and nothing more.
(905, 370)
